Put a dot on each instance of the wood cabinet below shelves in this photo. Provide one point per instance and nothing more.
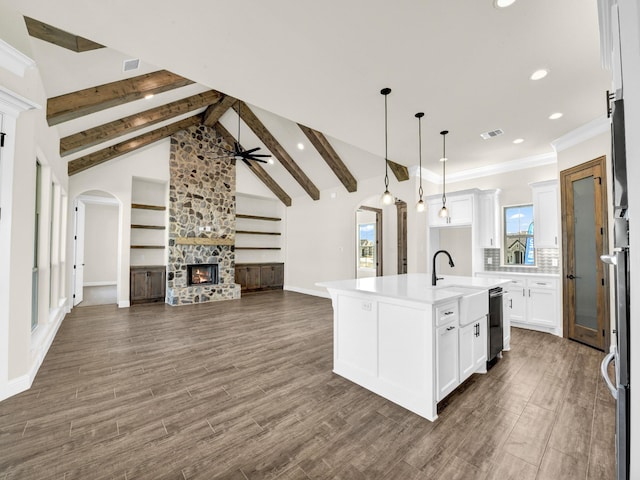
(259, 276)
(147, 284)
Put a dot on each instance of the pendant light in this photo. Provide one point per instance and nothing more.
(420, 206)
(387, 198)
(443, 211)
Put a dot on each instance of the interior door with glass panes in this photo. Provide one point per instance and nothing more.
(584, 228)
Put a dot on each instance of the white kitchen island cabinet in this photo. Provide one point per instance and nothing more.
(398, 336)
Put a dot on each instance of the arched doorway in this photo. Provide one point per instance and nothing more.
(96, 249)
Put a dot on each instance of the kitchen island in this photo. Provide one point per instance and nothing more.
(408, 341)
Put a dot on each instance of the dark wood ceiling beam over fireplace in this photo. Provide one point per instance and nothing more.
(109, 131)
(276, 149)
(128, 146)
(256, 168)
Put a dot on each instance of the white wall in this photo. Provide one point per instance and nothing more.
(100, 244)
(116, 178)
(22, 101)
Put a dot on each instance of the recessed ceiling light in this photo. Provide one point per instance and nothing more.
(148, 96)
(444, 159)
(555, 116)
(518, 140)
(271, 161)
(301, 146)
(539, 74)
(503, 3)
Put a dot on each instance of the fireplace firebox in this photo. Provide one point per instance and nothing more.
(202, 274)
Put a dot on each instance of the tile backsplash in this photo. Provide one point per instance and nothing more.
(547, 261)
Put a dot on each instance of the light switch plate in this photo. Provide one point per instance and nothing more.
(554, 262)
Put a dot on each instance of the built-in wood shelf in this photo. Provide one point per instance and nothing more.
(149, 227)
(148, 207)
(250, 232)
(147, 246)
(258, 248)
(204, 241)
(258, 217)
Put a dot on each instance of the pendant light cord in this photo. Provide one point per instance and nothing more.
(386, 160)
(444, 161)
(420, 191)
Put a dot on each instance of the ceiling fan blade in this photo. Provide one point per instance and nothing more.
(261, 155)
(256, 159)
(251, 150)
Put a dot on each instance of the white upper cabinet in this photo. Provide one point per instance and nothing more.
(459, 207)
(489, 219)
(545, 214)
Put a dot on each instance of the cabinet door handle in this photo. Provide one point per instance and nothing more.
(529, 292)
(448, 313)
(523, 292)
(450, 328)
(491, 241)
(556, 240)
(511, 303)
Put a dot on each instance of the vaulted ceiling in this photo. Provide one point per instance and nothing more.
(312, 74)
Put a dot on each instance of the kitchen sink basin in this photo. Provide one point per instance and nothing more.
(474, 303)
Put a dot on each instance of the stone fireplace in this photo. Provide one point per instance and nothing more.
(202, 218)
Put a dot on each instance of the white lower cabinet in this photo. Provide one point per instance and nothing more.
(447, 378)
(473, 348)
(532, 303)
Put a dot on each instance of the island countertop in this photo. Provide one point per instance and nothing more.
(415, 287)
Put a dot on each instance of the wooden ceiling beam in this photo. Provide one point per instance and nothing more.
(109, 131)
(215, 111)
(128, 146)
(256, 168)
(51, 34)
(400, 171)
(329, 155)
(90, 100)
(277, 150)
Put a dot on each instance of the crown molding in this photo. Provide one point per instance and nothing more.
(489, 170)
(581, 134)
(14, 104)
(14, 60)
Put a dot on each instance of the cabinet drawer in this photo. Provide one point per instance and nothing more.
(446, 313)
(535, 283)
(516, 283)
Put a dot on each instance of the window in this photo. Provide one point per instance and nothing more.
(518, 235)
(367, 245)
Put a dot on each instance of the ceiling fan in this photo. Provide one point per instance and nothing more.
(240, 153)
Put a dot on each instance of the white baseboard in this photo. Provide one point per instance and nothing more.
(15, 386)
(105, 283)
(307, 291)
(124, 304)
(38, 354)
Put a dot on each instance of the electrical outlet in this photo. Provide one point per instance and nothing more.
(554, 262)
(489, 261)
(207, 229)
(366, 306)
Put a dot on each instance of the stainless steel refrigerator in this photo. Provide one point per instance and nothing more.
(619, 258)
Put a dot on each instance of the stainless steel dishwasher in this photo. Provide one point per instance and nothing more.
(495, 335)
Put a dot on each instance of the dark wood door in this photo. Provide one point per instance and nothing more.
(401, 207)
(584, 231)
(248, 276)
(278, 275)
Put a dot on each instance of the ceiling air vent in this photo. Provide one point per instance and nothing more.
(129, 65)
(491, 134)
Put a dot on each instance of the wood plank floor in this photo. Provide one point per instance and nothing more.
(244, 390)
